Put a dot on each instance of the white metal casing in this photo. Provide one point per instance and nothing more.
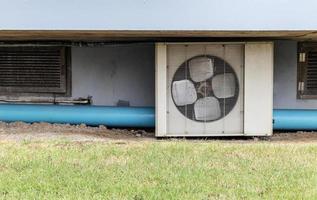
(242, 120)
(258, 94)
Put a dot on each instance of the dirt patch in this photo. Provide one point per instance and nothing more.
(18, 131)
(294, 137)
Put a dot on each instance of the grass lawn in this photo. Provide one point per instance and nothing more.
(158, 170)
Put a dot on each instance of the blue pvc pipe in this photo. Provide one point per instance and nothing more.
(284, 119)
(90, 115)
(291, 119)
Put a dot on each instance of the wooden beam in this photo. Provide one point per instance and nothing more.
(105, 35)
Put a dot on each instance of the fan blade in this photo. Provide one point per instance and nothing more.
(223, 85)
(201, 69)
(207, 109)
(184, 92)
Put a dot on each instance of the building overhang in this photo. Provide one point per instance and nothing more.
(153, 35)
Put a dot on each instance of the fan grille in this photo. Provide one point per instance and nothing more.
(205, 88)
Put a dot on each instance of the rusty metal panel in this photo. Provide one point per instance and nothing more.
(32, 70)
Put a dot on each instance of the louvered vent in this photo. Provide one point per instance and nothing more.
(311, 71)
(32, 69)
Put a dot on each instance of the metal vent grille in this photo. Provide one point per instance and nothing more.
(32, 69)
(311, 71)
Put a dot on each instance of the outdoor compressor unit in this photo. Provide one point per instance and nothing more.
(214, 89)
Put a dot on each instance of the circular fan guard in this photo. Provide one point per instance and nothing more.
(205, 88)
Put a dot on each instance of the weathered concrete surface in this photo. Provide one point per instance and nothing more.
(158, 15)
(115, 72)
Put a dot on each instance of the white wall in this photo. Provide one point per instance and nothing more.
(158, 14)
(285, 78)
(112, 73)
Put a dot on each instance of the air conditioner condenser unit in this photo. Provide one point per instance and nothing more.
(214, 89)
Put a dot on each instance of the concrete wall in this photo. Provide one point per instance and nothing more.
(158, 15)
(112, 73)
(285, 78)
(126, 72)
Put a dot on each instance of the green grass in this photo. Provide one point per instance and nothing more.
(158, 170)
